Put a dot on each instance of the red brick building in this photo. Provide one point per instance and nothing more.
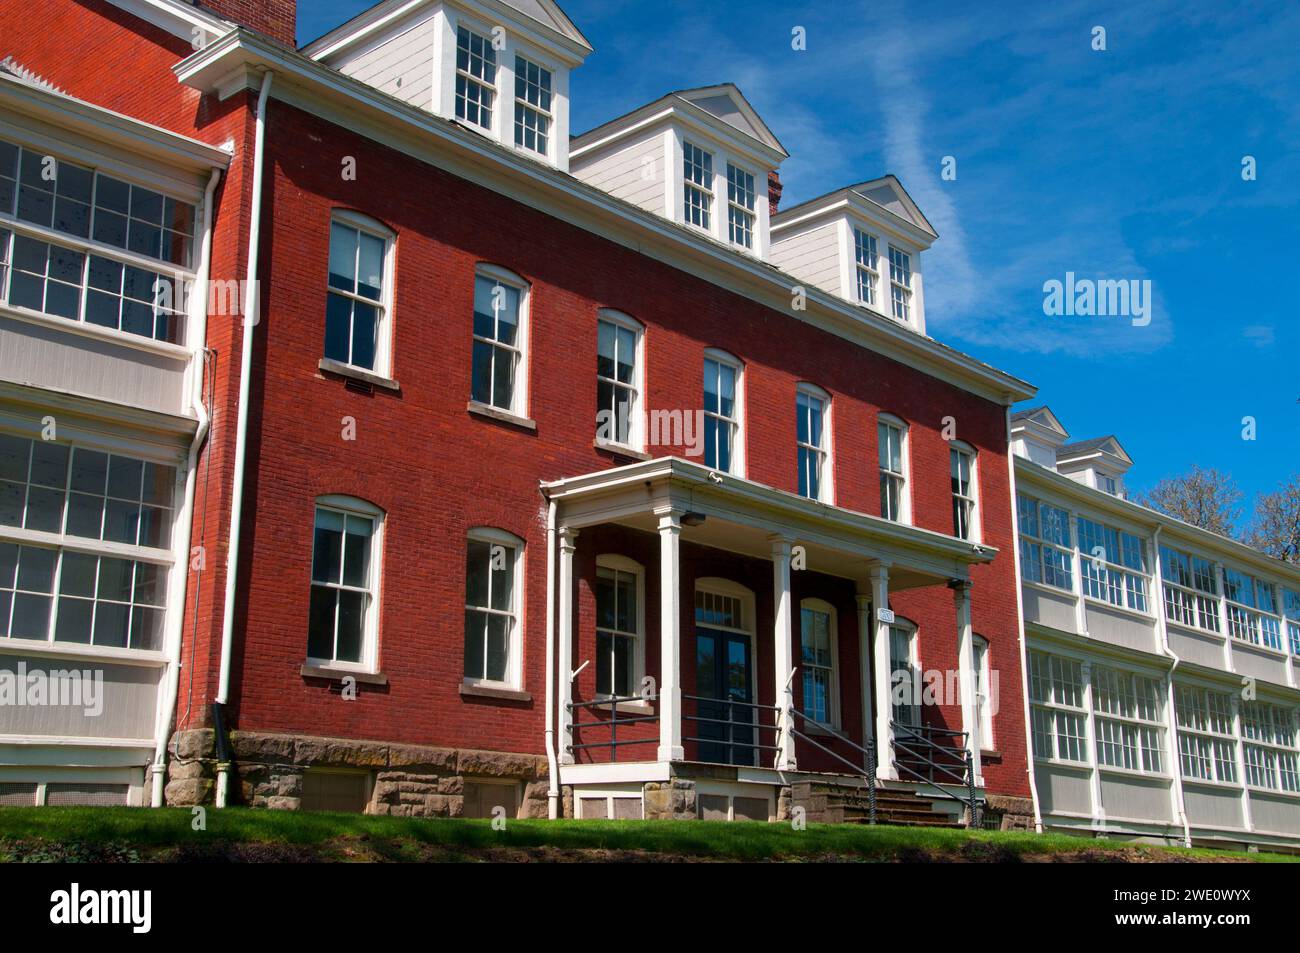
(540, 433)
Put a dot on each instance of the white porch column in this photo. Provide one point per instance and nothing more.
(784, 644)
(880, 664)
(966, 676)
(670, 635)
(864, 663)
(564, 642)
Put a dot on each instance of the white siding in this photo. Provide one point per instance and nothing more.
(632, 171)
(400, 64)
(812, 256)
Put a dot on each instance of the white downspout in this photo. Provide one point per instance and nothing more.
(1020, 626)
(176, 623)
(251, 318)
(553, 791)
(1170, 717)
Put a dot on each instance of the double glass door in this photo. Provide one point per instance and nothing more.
(724, 679)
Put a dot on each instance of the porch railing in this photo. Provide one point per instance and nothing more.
(749, 724)
(921, 755)
(610, 724)
(866, 770)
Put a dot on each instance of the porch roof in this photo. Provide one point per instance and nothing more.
(742, 516)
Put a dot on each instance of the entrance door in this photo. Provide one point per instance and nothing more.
(724, 675)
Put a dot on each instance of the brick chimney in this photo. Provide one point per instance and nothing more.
(277, 19)
(773, 191)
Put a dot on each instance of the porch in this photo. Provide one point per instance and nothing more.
(725, 628)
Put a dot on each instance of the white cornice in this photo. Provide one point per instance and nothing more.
(326, 93)
(178, 19)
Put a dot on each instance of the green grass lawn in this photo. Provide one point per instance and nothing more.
(107, 834)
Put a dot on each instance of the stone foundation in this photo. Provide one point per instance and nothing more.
(670, 800)
(408, 780)
(1005, 813)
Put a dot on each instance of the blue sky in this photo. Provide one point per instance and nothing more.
(1122, 164)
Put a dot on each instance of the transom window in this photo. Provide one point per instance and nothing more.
(900, 281)
(740, 206)
(1130, 720)
(719, 610)
(618, 385)
(1057, 713)
(892, 454)
(476, 76)
(356, 309)
(1114, 565)
(619, 626)
(811, 409)
(868, 261)
(961, 465)
(1046, 554)
(697, 168)
(1252, 610)
(1269, 739)
(1191, 590)
(722, 432)
(493, 566)
(532, 106)
(818, 661)
(499, 313)
(344, 585)
(1207, 744)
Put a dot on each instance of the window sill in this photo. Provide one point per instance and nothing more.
(635, 708)
(505, 416)
(175, 352)
(1196, 630)
(620, 450)
(1050, 589)
(338, 674)
(476, 690)
(72, 651)
(1103, 606)
(1134, 773)
(991, 755)
(1266, 650)
(330, 366)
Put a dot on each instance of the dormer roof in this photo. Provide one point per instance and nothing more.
(1107, 449)
(1042, 422)
(880, 197)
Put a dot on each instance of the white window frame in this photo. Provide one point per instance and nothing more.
(1190, 606)
(826, 451)
(514, 648)
(494, 87)
(1114, 582)
(503, 276)
(622, 564)
(904, 515)
(983, 700)
(1119, 731)
(1248, 623)
(1200, 742)
(870, 273)
(833, 670)
(637, 411)
(384, 329)
(352, 506)
(1044, 544)
(901, 290)
(974, 529)
(748, 215)
(736, 423)
(706, 189)
(1268, 736)
(911, 632)
(1291, 613)
(522, 105)
(1062, 676)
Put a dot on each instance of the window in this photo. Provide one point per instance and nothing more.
(900, 281)
(532, 106)
(740, 206)
(1191, 590)
(1246, 595)
(84, 592)
(1130, 720)
(356, 308)
(811, 408)
(1046, 555)
(904, 675)
(698, 171)
(1291, 609)
(620, 625)
(1269, 738)
(818, 661)
(500, 309)
(493, 578)
(476, 72)
(618, 380)
(891, 437)
(1107, 484)
(1114, 565)
(723, 437)
(1057, 713)
(344, 584)
(983, 686)
(864, 249)
(1207, 744)
(961, 465)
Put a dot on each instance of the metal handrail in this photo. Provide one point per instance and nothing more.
(962, 755)
(614, 743)
(867, 772)
(755, 725)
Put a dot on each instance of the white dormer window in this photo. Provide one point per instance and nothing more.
(900, 280)
(864, 246)
(476, 74)
(698, 174)
(1107, 484)
(532, 106)
(740, 206)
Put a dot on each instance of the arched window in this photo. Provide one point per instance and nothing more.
(892, 450)
(724, 412)
(620, 625)
(343, 623)
(494, 574)
(819, 660)
(620, 380)
(813, 434)
(499, 375)
(358, 313)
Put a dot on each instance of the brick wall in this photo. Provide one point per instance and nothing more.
(276, 18)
